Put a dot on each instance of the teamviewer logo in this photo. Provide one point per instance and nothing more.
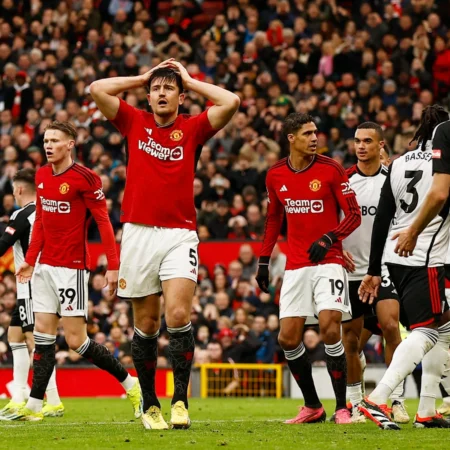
(176, 154)
(316, 206)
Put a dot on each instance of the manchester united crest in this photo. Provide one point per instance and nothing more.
(315, 185)
(176, 135)
(64, 188)
(122, 283)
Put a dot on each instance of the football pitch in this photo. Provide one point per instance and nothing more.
(232, 423)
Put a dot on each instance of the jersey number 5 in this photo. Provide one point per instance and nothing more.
(416, 176)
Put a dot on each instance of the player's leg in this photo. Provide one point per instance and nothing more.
(144, 347)
(388, 313)
(413, 286)
(21, 366)
(295, 306)
(433, 367)
(351, 334)
(178, 294)
(332, 305)
(444, 409)
(140, 260)
(178, 275)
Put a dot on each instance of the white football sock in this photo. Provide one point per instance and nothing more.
(406, 357)
(21, 367)
(128, 383)
(398, 393)
(362, 358)
(433, 366)
(52, 390)
(445, 381)
(34, 404)
(354, 393)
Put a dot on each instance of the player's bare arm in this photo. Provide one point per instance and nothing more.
(225, 102)
(368, 291)
(105, 91)
(434, 201)
(24, 273)
(111, 278)
(349, 261)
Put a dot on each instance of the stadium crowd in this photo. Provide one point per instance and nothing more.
(343, 62)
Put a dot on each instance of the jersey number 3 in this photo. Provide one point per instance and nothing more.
(416, 176)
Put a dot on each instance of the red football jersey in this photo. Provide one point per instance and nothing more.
(312, 199)
(161, 166)
(59, 231)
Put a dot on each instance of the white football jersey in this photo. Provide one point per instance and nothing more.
(367, 190)
(410, 178)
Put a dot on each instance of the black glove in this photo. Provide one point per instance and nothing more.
(319, 248)
(262, 276)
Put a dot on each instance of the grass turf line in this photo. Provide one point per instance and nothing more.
(232, 423)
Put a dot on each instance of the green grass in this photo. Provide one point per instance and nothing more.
(233, 423)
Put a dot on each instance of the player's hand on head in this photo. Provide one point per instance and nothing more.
(146, 76)
(406, 242)
(368, 290)
(349, 261)
(24, 273)
(319, 248)
(178, 67)
(112, 277)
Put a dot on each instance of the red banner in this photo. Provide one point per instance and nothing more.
(89, 382)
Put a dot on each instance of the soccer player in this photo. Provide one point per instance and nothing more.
(65, 193)
(419, 280)
(159, 242)
(366, 180)
(311, 190)
(20, 332)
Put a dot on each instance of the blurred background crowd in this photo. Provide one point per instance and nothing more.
(343, 62)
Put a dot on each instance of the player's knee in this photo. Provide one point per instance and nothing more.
(178, 317)
(75, 341)
(287, 342)
(391, 332)
(148, 325)
(331, 335)
(351, 341)
(15, 336)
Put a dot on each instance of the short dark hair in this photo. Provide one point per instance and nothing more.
(294, 122)
(167, 75)
(26, 176)
(65, 127)
(372, 126)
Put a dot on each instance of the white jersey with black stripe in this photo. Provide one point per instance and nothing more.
(411, 178)
(367, 190)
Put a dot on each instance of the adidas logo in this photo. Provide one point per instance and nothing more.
(41, 186)
(149, 131)
(69, 308)
(339, 300)
(283, 188)
(194, 271)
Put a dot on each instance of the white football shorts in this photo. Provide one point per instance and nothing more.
(308, 291)
(150, 255)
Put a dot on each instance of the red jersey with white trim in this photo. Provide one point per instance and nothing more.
(312, 199)
(60, 227)
(161, 167)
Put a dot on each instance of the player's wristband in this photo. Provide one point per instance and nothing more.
(332, 237)
(264, 260)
